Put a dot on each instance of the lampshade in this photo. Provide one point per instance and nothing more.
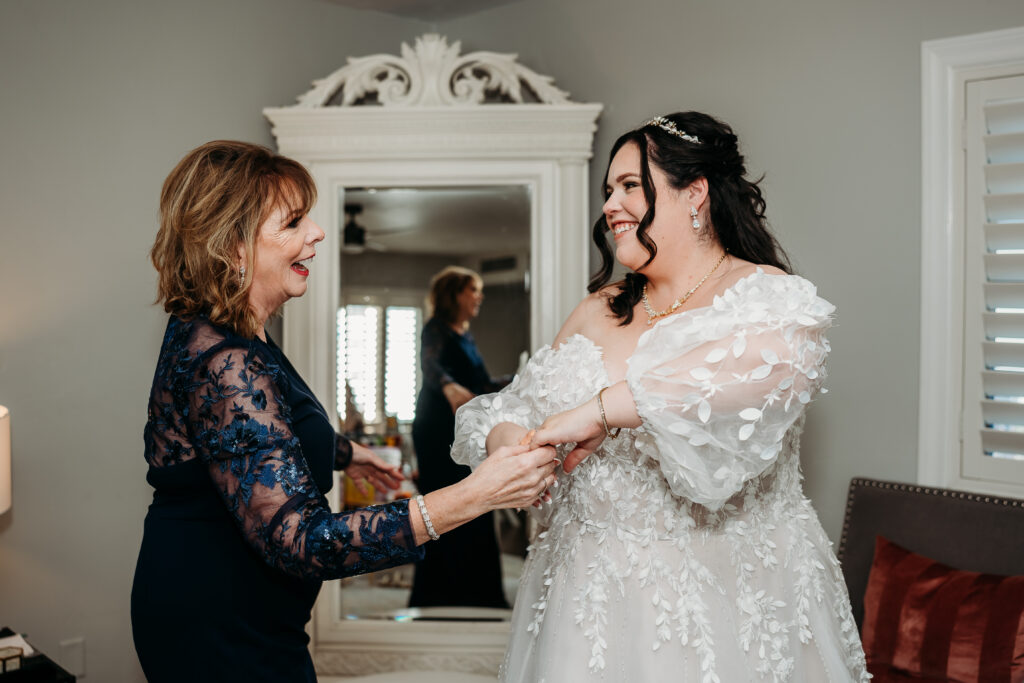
(5, 460)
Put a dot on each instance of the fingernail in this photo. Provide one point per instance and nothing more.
(555, 485)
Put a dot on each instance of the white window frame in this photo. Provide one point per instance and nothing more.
(947, 65)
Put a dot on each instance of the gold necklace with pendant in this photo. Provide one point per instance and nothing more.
(653, 315)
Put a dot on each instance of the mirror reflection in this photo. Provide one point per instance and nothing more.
(434, 308)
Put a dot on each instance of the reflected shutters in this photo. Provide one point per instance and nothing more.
(994, 284)
(359, 358)
(378, 360)
(401, 361)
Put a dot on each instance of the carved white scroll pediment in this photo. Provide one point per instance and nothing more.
(431, 73)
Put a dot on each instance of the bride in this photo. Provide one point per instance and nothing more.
(678, 543)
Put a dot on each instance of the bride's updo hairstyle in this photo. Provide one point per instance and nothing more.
(687, 146)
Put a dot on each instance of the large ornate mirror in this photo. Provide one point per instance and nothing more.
(428, 159)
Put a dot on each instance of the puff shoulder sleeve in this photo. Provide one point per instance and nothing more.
(718, 390)
(475, 419)
(551, 382)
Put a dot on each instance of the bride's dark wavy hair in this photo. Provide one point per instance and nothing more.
(735, 204)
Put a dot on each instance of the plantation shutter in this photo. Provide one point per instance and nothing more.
(401, 361)
(993, 405)
(378, 360)
(359, 358)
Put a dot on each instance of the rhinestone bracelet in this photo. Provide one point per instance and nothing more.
(426, 519)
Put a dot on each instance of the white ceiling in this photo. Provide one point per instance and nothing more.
(425, 10)
(444, 220)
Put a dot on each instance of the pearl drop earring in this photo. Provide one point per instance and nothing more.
(696, 221)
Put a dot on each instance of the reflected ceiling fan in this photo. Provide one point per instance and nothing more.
(354, 235)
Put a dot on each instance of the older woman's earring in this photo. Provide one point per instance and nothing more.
(696, 221)
(241, 277)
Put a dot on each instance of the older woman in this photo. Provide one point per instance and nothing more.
(240, 452)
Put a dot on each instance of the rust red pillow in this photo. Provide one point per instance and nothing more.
(930, 621)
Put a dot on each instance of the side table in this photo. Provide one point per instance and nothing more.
(35, 668)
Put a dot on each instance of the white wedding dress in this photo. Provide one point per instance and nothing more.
(684, 550)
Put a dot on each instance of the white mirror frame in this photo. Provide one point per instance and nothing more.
(432, 128)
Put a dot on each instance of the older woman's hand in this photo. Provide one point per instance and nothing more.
(513, 476)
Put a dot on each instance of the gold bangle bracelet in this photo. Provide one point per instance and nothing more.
(604, 420)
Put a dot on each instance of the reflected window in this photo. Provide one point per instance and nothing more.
(378, 361)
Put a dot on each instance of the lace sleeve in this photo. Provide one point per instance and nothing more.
(243, 432)
(718, 393)
(526, 401)
(545, 386)
(475, 420)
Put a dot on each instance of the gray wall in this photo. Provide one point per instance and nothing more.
(100, 99)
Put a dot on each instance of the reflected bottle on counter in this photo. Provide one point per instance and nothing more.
(354, 498)
(388, 447)
(392, 437)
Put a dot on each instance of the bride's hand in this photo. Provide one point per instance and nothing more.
(582, 425)
(505, 434)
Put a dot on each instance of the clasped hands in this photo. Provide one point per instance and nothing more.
(520, 468)
(581, 426)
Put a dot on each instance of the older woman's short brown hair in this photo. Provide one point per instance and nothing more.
(214, 201)
(442, 301)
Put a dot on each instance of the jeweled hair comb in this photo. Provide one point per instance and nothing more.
(670, 127)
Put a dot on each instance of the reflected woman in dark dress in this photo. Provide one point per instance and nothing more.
(464, 567)
(239, 534)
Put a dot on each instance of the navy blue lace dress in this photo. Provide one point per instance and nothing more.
(239, 535)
